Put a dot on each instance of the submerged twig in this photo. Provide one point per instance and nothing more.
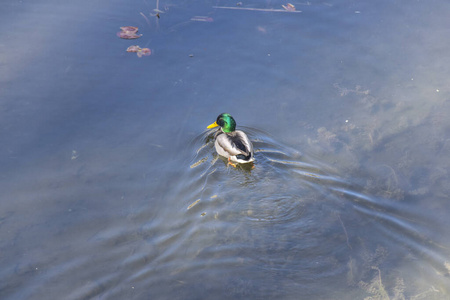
(393, 172)
(345, 231)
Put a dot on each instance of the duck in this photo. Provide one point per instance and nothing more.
(230, 143)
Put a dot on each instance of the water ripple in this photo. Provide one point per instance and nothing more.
(291, 217)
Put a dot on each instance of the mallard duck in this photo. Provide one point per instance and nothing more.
(231, 143)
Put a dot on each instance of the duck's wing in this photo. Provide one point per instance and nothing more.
(233, 143)
(244, 143)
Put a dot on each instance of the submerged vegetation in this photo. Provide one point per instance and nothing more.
(400, 167)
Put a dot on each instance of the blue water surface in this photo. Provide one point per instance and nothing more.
(111, 187)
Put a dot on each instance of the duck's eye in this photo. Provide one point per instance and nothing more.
(221, 122)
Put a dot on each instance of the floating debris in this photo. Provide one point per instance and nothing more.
(139, 51)
(259, 9)
(261, 29)
(193, 204)
(157, 13)
(289, 7)
(128, 32)
(202, 19)
(74, 155)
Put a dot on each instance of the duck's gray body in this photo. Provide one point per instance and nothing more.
(234, 145)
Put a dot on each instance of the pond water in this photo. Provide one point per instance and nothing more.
(111, 187)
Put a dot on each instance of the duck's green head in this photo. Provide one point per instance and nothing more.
(225, 121)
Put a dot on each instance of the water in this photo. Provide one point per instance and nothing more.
(111, 188)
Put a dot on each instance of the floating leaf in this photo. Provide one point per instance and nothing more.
(144, 52)
(133, 48)
(127, 35)
(139, 51)
(129, 28)
(128, 32)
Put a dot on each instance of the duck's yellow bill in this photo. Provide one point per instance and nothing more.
(212, 125)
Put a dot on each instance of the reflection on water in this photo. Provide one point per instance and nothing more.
(111, 190)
